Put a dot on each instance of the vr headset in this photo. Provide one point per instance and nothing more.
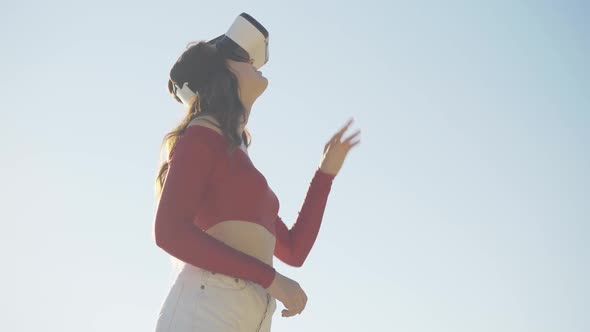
(245, 40)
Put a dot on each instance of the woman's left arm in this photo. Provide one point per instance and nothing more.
(293, 245)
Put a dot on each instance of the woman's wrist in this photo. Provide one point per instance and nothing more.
(325, 172)
(275, 276)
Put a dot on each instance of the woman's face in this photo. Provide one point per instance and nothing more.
(250, 81)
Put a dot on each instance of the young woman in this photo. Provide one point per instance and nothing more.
(216, 212)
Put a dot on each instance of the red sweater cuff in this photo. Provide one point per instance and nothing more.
(323, 176)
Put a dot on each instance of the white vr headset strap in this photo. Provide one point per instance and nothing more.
(185, 94)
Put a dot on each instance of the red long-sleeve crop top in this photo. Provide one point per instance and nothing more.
(204, 187)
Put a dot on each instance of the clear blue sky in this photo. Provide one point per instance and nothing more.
(465, 208)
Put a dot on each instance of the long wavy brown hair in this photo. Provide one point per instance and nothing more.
(205, 69)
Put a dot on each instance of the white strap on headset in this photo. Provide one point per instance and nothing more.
(185, 94)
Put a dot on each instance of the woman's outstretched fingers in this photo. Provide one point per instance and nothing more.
(339, 134)
(335, 151)
(347, 140)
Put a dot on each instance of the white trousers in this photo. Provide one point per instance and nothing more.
(203, 301)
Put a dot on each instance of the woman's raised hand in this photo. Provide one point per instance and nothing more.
(336, 150)
(289, 293)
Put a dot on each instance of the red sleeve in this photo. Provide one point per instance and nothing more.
(293, 245)
(191, 164)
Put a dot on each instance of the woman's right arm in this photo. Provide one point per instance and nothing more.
(191, 163)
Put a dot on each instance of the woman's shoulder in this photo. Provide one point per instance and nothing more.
(207, 122)
(205, 129)
(199, 138)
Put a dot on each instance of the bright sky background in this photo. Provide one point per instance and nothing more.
(465, 207)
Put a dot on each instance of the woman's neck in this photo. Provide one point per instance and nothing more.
(214, 121)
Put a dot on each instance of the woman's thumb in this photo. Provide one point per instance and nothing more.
(287, 313)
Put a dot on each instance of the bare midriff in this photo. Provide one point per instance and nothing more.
(243, 235)
(247, 237)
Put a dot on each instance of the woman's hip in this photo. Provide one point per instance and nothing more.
(201, 300)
